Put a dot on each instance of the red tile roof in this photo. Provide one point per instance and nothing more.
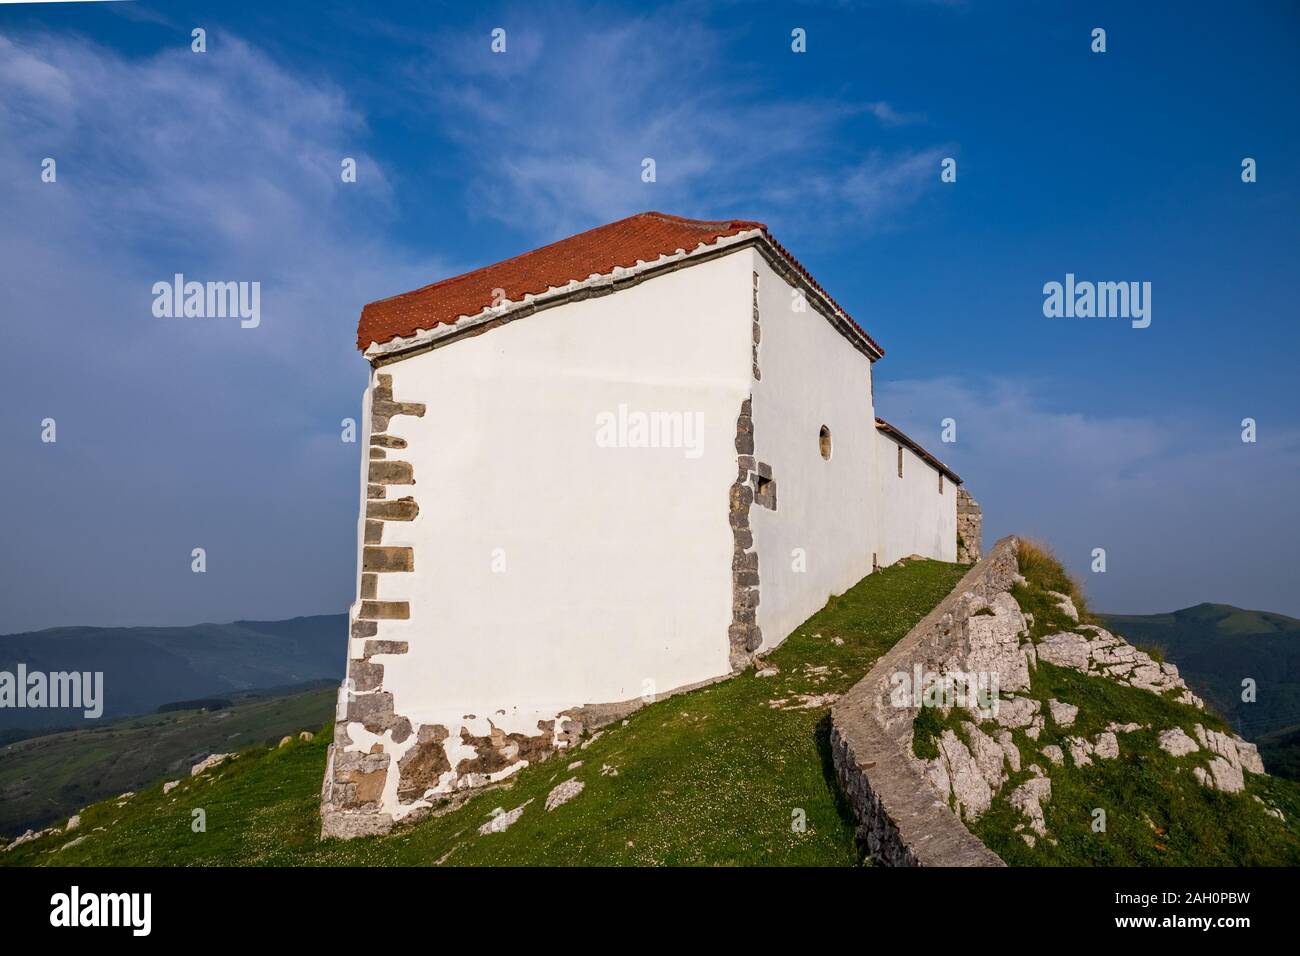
(643, 237)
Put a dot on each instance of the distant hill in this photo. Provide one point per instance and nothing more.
(146, 667)
(51, 776)
(1217, 646)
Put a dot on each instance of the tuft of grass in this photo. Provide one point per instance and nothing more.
(926, 728)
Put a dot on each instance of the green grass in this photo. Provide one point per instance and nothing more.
(713, 777)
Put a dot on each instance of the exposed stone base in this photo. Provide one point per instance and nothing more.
(352, 794)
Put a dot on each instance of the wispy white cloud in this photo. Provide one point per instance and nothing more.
(559, 131)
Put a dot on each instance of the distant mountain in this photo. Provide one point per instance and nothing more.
(146, 667)
(1216, 647)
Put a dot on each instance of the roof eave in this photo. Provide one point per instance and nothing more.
(425, 339)
(915, 446)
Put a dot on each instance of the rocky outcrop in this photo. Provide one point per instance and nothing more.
(1103, 654)
(1232, 756)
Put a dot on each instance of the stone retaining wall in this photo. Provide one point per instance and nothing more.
(901, 819)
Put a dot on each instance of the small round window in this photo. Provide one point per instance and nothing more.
(824, 442)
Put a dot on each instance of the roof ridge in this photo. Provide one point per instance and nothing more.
(643, 239)
(662, 216)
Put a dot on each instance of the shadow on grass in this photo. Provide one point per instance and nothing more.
(822, 739)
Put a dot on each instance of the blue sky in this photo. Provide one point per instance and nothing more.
(1083, 432)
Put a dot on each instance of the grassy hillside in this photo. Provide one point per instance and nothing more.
(1156, 813)
(145, 667)
(1216, 646)
(48, 777)
(716, 776)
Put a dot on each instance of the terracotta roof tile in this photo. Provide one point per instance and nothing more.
(643, 237)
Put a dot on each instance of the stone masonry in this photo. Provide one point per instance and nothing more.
(969, 521)
(744, 633)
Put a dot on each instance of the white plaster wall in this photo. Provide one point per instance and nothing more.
(914, 517)
(617, 560)
(811, 376)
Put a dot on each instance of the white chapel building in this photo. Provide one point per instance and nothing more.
(614, 467)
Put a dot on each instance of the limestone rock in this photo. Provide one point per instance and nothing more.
(1238, 753)
(1054, 754)
(564, 792)
(1106, 746)
(207, 762)
(1117, 728)
(28, 836)
(307, 735)
(1008, 745)
(1066, 649)
(1249, 754)
(1175, 741)
(74, 821)
(1017, 712)
(1271, 811)
(966, 782)
(989, 756)
(1080, 750)
(1029, 798)
(170, 785)
(1221, 776)
(991, 643)
(285, 741)
(502, 821)
(1062, 714)
(1066, 604)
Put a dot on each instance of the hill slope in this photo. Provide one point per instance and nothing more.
(722, 775)
(48, 777)
(145, 667)
(738, 773)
